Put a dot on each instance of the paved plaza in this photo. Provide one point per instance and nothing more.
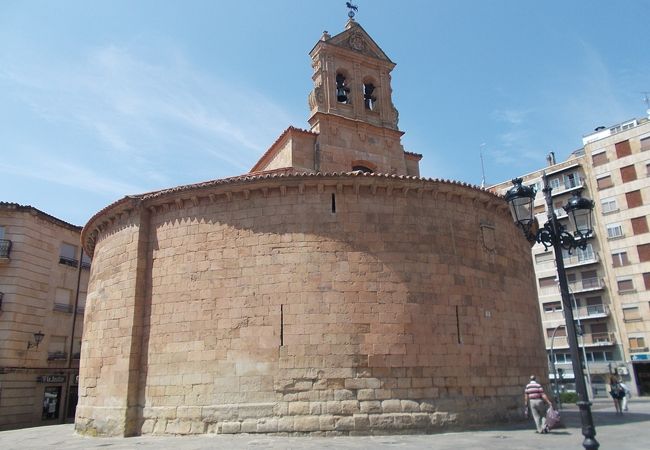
(630, 431)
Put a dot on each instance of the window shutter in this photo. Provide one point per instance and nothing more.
(639, 225)
(599, 159)
(633, 199)
(644, 252)
(628, 173)
(623, 149)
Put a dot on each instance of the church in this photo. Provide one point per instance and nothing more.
(330, 290)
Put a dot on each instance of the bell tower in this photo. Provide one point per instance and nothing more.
(351, 106)
(353, 121)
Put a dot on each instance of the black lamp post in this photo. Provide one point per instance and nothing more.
(552, 234)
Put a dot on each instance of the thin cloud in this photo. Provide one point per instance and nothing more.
(138, 113)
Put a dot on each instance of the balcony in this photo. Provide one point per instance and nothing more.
(68, 261)
(568, 185)
(587, 340)
(592, 312)
(586, 285)
(62, 307)
(85, 265)
(638, 349)
(580, 259)
(5, 250)
(57, 356)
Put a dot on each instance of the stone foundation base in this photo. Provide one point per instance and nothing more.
(329, 418)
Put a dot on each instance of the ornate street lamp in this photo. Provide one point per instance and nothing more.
(552, 234)
(38, 337)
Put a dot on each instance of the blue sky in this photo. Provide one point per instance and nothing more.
(99, 99)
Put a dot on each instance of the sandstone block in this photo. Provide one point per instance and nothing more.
(391, 406)
(230, 427)
(306, 423)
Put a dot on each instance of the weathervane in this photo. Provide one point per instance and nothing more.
(352, 8)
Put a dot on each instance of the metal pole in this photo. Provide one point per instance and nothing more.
(555, 379)
(584, 352)
(588, 428)
(66, 397)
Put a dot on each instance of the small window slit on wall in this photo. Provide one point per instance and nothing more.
(333, 203)
(460, 339)
(281, 325)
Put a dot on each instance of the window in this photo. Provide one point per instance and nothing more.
(644, 252)
(625, 284)
(645, 144)
(600, 356)
(639, 225)
(5, 245)
(85, 261)
(56, 348)
(368, 99)
(628, 173)
(614, 230)
(623, 149)
(548, 281)
(76, 348)
(609, 205)
(363, 169)
(544, 257)
(561, 331)
(604, 182)
(81, 304)
(646, 281)
(631, 314)
(620, 259)
(342, 89)
(633, 199)
(68, 255)
(599, 159)
(637, 344)
(572, 180)
(62, 300)
(552, 307)
(554, 183)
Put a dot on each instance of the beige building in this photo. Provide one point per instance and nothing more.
(330, 290)
(39, 281)
(609, 280)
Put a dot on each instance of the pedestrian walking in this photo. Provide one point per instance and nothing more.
(617, 393)
(628, 395)
(536, 399)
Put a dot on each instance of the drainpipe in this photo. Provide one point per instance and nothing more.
(66, 396)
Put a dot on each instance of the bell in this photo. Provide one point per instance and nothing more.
(341, 96)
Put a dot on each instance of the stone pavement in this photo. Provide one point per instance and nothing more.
(628, 432)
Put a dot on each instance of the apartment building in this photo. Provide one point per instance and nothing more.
(609, 280)
(42, 297)
(618, 164)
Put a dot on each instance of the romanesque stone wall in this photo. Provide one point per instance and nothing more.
(342, 305)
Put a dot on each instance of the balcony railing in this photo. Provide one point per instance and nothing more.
(580, 259)
(63, 307)
(569, 185)
(638, 350)
(586, 284)
(547, 291)
(76, 355)
(587, 340)
(85, 265)
(56, 356)
(5, 248)
(592, 311)
(68, 261)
